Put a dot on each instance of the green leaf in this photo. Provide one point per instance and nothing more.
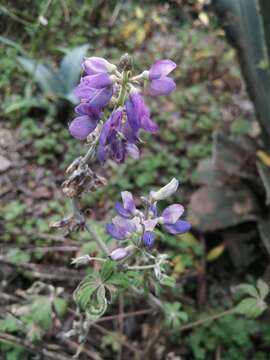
(247, 290)
(264, 230)
(45, 76)
(18, 256)
(107, 270)
(60, 306)
(264, 172)
(82, 295)
(119, 279)
(70, 68)
(263, 289)
(246, 24)
(251, 307)
(98, 304)
(168, 281)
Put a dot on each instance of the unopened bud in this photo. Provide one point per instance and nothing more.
(165, 191)
(121, 253)
(125, 63)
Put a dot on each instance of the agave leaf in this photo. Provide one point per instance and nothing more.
(45, 76)
(245, 28)
(264, 173)
(216, 208)
(264, 230)
(70, 67)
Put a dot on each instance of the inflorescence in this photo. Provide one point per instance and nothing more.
(104, 87)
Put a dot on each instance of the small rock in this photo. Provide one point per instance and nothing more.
(5, 164)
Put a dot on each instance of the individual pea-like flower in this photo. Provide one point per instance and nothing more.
(160, 83)
(170, 220)
(116, 140)
(166, 191)
(96, 90)
(127, 209)
(85, 123)
(96, 65)
(131, 221)
(138, 114)
(119, 254)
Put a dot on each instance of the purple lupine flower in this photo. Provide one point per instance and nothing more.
(149, 239)
(138, 114)
(127, 209)
(116, 139)
(85, 123)
(120, 228)
(95, 89)
(160, 83)
(170, 220)
(95, 65)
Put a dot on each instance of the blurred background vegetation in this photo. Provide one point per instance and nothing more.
(209, 139)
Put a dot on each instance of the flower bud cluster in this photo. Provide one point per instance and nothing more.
(138, 226)
(102, 86)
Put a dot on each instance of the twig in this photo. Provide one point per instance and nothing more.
(210, 318)
(42, 350)
(45, 272)
(74, 347)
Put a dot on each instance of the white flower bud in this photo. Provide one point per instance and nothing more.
(165, 191)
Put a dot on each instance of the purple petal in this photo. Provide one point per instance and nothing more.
(161, 68)
(179, 227)
(130, 135)
(118, 150)
(127, 225)
(148, 125)
(149, 239)
(95, 65)
(121, 211)
(149, 225)
(86, 109)
(111, 126)
(133, 151)
(97, 81)
(102, 153)
(153, 210)
(101, 97)
(172, 213)
(82, 126)
(116, 232)
(119, 254)
(84, 92)
(128, 201)
(134, 107)
(163, 86)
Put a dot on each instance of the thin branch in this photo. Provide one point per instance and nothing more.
(28, 345)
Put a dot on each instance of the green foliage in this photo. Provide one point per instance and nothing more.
(57, 83)
(94, 292)
(232, 334)
(254, 305)
(174, 317)
(249, 32)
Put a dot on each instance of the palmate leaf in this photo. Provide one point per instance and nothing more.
(45, 76)
(251, 307)
(90, 296)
